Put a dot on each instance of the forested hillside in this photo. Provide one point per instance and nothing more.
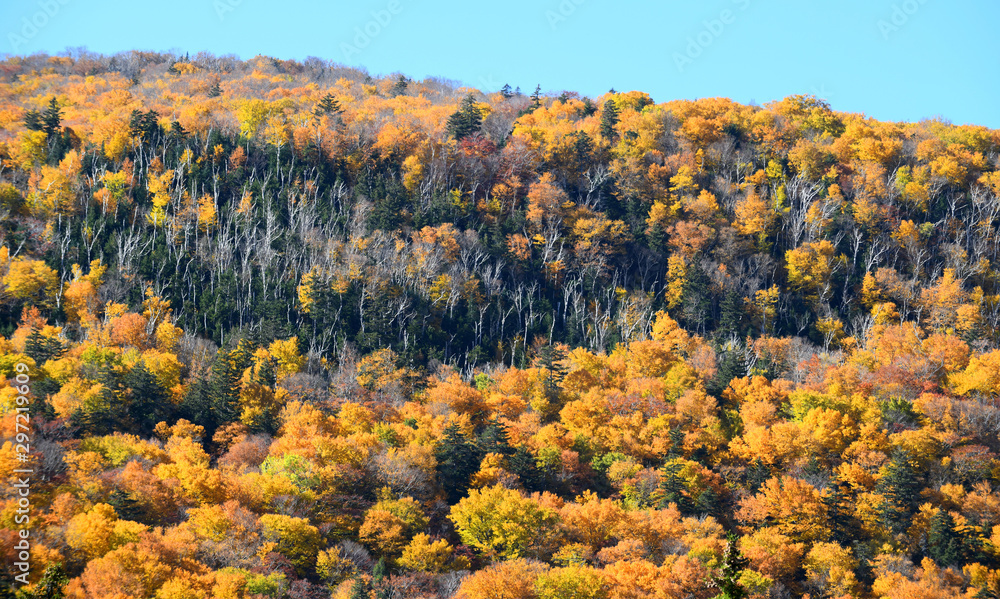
(295, 331)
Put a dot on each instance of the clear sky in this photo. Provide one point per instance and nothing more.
(891, 59)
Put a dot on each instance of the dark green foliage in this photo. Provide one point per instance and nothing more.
(327, 105)
(673, 488)
(900, 488)
(215, 91)
(524, 465)
(609, 118)
(144, 126)
(41, 348)
(50, 585)
(458, 459)
(494, 439)
(548, 357)
(944, 544)
(727, 579)
(148, 402)
(399, 88)
(506, 92)
(708, 503)
(467, 120)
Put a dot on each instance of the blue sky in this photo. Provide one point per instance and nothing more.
(891, 59)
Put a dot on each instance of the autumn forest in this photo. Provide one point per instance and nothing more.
(289, 330)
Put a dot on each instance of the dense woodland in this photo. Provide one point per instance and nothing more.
(295, 331)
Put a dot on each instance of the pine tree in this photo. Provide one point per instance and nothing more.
(523, 464)
(215, 91)
(536, 98)
(673, 488)
(609, 118)
(900, 490)
(728, 578)
(467, 120)
(944, 544)
(52, 118)
(360, 589)
(458, 459)
(41, 348)
(708, 503)
(548, 358)
(844, 526)
(51, 584)
(148, 402)
(399, 88)
(506, 92)
(494, 439)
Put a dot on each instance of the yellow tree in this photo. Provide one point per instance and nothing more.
(500, 522)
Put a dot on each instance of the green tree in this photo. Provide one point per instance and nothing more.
(458, 459)
(727, 579)
(900, 490)
(609, 118)
(467, 120)
(944, 544)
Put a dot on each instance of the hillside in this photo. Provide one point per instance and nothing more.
(295, 331)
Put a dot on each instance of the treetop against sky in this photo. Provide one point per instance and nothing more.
(892, 59)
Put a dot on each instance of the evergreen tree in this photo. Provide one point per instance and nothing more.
(144, 125)
(944, 544)
(494, 439)
(728, 578)
(756, 474)
(360, 589)
(523, 464)
(708, 503)
(673, 488)
(215, 91)
(732, 318)
(536, 98)
(548, 358)
(609, 118)
(399, 88)
(458, 459)
(177, 130)
(844, 526)
(148, 401)
(52, 118)
(505, 92)
(224, 382)
(41, 348)
(900, 490)
(467, 120)
(50, 585)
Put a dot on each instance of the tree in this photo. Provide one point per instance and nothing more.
(327, 105)
(467, 120)
(727, 579)
(506, 92)
(148, 401)
(51, 584)
(457, 460)
(899, 488)
(536, 98)
(500, 522)
(609, 118)
(944, 544)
